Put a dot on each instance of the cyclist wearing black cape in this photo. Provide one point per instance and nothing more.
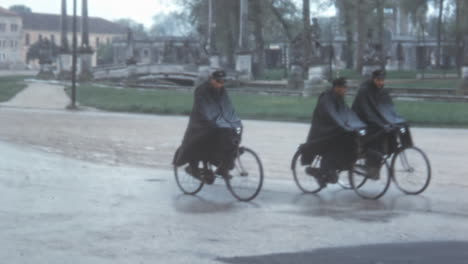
(214, 130)
(332, 134)
(374, 106)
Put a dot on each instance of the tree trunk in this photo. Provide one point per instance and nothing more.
(361, 34)
(284, 24)
(349, 34)
(306, 34)
(458, 37)
(257, 18)
(381, 19)
(439, 33)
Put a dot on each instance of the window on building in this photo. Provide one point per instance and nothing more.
(108, 41)
(40, 37)
(12, 43)
(52, 38)
(16, 43)
(27, 39)
(14, 27)
(2, 27)
(97, 42)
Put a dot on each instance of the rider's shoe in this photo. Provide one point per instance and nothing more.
(332, 177)
(223, 172)
(194, 172)
(312, 171)
(203, 175)
(208, 176)
(373, 173)
(317, 174)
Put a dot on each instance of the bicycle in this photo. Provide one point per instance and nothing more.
(244, 181)
(409, 167)
(364, 186)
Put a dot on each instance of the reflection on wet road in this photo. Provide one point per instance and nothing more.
(55, 208)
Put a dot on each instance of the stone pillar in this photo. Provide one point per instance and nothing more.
(368, 69)
(64, 58)
(84, 26)
(244, 65)
(315, 83)
(464, 85)
(244, 56)
(64, 28)
(296, 77)
(86, 52)
(215, 61)
(464, 69)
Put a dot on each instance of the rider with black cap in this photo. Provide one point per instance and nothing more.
(332, 134)
(375, 107)
(213, 132)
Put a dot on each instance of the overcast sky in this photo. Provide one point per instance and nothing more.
(141, 11)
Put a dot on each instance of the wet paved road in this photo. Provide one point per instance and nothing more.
(56, 209)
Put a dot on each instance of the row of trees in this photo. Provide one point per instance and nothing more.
(282, 20)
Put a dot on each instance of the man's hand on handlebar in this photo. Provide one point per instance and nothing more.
(388, 128)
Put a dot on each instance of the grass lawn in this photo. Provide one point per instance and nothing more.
(404, 74)
(10, 86)
(431, 84)
(262, 107)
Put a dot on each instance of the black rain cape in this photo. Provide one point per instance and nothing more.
(212, 109)
(375, 106)
(331, 118)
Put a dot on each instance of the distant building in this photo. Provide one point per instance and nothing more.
(25, 29)
(11, 34)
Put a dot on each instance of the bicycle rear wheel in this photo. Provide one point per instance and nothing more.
(245, 180)
(411, 170)
(186, 182)
(306, 182)
(366, 186)
(344, 180)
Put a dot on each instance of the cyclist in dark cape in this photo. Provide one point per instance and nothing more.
(332, 134)
(213, 132)
(374, 106)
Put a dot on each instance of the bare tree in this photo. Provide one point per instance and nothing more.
(306, 36)
(257, 17)
(284, 23)
(361, 29)
(439, 33)
(380, 4)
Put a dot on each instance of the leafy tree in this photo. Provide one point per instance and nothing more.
(137, 28)
(20, 9)
(172, 24)
(105, 54)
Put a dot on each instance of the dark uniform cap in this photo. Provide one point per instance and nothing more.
(339, 82)
(219, 75)
(380, 74)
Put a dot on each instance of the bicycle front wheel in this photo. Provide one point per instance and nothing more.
(411, 170)
(306, 182)
(367, 186)
(187, 183)
(245, 180)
